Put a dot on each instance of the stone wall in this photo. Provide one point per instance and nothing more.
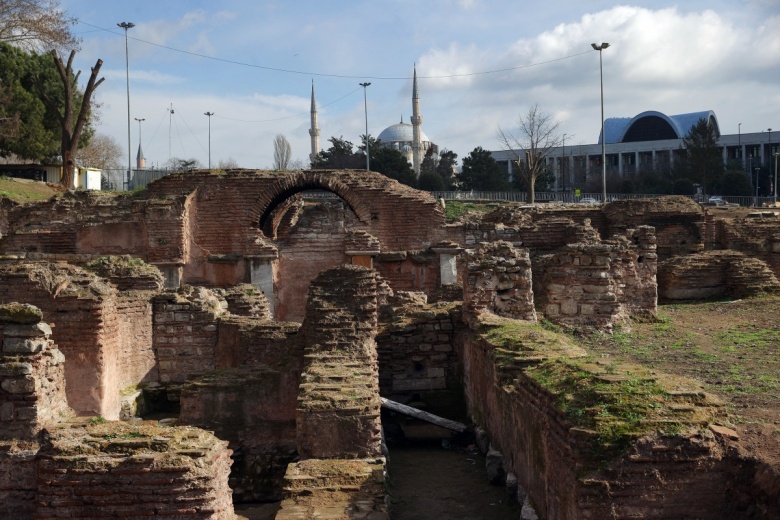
(416, 349)
(254, 409)
(596, 284)
(32, 374)
(679, 222)
(338, 404)
(120, 470)
(757, 236)
(714, 274)
(555, 461)
(185, 332)
(497, 279)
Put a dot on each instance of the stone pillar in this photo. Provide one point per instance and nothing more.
(32, 374)
(448, 266)
(261, 275)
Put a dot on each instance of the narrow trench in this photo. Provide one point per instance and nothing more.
(433, 474)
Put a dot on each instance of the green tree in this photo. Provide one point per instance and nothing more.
(339, 156)
(536, 137)
(35, 96)
(447, 169)
(429, 179)
(392, 163)
(481, 172)
(736, 183)
(702, 161)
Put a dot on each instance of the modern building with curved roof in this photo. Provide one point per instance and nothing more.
(654, 126)
(651, 140)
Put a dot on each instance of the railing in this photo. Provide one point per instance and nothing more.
(569, 197)
(117, 180)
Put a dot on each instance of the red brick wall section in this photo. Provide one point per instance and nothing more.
(120, 470)
(85, 324)
(185, 332)
(417, 354)
(254, 409)
(17, 479)
(660, 477)
(338, 404)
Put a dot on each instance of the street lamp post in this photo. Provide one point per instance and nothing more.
(126, 26)
(739, 145)
(769, 157)
(365, 108)
(755, 202)
(603, 137)
(563, 163)
(776, 154)
(209, 114)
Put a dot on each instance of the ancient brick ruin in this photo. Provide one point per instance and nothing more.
(269, 311)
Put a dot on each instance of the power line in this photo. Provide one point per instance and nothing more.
(343, 76)
(286, 117)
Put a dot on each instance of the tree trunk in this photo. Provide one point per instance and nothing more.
(71, 133)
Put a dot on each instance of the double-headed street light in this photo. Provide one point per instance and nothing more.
(365, 107)
(600, 48)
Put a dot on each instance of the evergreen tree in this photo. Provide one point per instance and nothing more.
(448, 160)
(482, 173)
(702, 161)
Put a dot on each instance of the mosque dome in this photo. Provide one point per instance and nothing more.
(400, 133)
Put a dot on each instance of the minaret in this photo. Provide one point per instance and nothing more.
(140, 160)
(416, 127)
(314, 131)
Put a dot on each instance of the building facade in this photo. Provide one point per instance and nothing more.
(651, 141)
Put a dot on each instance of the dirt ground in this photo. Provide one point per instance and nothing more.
(428, 481)
(732, 347)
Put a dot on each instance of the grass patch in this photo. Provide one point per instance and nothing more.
(454, 209)
(25, 191)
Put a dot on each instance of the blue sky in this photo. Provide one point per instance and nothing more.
(480, 64)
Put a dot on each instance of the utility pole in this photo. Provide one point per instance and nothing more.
(170, 120)
(126, 26)
(209, 114)
(365, 107)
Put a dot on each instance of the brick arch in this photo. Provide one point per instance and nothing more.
(298, 181)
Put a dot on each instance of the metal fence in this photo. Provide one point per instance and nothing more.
(569, 197)
(119, 180)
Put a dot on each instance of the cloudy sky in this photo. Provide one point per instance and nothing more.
(480, 63)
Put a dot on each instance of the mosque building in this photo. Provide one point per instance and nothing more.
(407, 138)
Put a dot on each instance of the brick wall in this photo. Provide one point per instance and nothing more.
(82, 310)
(185, 332)
(416, 352)
(338, 403)
(115, 470)
(660, 477)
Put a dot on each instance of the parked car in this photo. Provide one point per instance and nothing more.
(589, 200)
(717, 200)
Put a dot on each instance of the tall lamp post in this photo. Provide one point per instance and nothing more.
(126, 26)
(755, 201)
(739, 145)
(365, 108)
(209, 114)
(600, 48)
(563, 163)
(769, 157)
(776, 154)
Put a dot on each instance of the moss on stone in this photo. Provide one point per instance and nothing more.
(15, 312)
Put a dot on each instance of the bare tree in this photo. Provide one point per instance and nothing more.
(36, 25)
(103, 151)
(228, 164)
(71, 132)
(537, 135)
(282, 152)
